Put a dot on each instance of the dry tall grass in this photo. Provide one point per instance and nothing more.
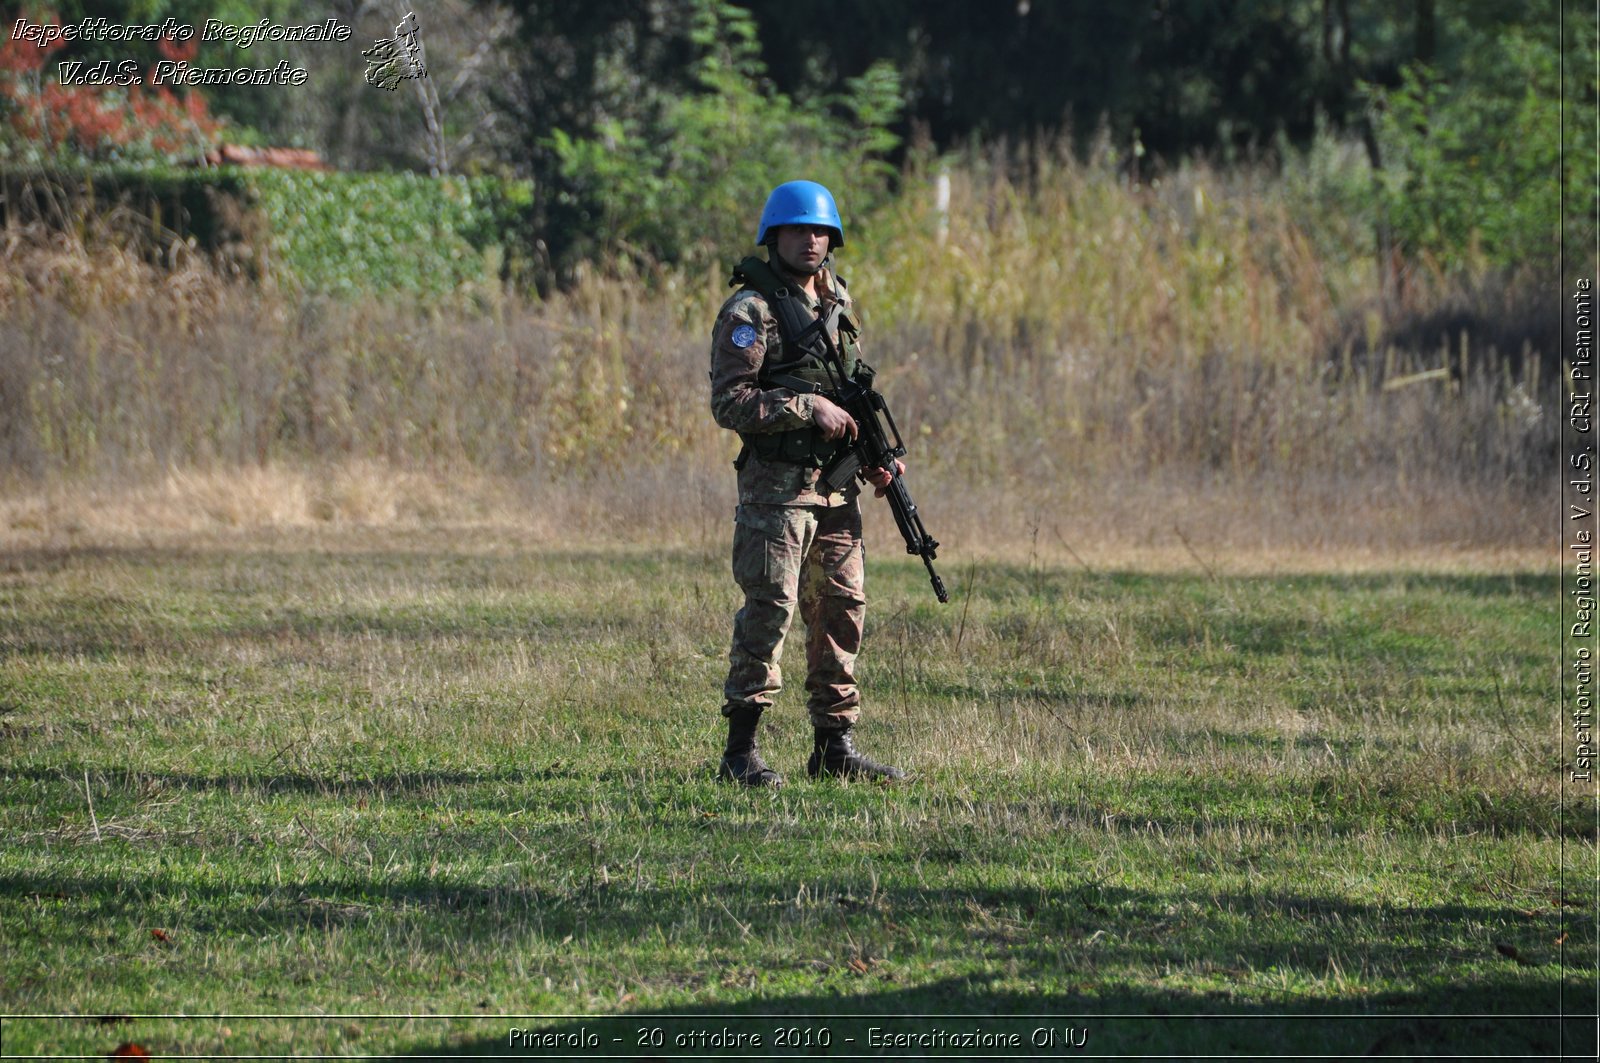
(1079, 362)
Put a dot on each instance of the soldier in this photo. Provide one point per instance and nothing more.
(794, 541)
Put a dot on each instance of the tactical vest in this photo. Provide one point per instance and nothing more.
(800, 366)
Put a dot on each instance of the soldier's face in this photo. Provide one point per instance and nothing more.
(803, 247)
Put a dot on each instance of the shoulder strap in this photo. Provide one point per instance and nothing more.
(799, 328)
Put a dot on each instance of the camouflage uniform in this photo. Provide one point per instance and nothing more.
(794, 542)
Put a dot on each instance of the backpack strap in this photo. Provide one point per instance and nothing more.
(801, 330)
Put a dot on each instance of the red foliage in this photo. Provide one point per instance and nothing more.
(98, 121)
(178, 51)
(26, 57)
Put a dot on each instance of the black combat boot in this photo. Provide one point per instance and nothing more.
(835, 754)
(741, 763)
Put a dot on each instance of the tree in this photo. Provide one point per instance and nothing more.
(653, 131)
(1471, 141)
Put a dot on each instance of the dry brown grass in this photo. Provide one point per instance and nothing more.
(364, 505)
(1084, 369)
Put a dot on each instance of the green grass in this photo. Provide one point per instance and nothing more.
(466, 777)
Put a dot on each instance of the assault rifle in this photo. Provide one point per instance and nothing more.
(876, 446)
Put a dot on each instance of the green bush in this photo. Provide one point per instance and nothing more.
(1473, 163)
(330, 233)
(339, 233)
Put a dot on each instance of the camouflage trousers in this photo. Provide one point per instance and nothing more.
(811, 556)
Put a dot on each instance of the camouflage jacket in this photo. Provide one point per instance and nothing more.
(740, 404)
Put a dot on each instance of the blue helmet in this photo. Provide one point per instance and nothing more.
(801, 203)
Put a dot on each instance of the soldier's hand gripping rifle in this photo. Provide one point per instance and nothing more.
(877, 445)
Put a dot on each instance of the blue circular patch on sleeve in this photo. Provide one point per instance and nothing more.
(743, 336)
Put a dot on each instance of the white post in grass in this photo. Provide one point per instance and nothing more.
(941, 203)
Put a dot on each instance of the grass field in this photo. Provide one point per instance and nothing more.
(330, 775)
